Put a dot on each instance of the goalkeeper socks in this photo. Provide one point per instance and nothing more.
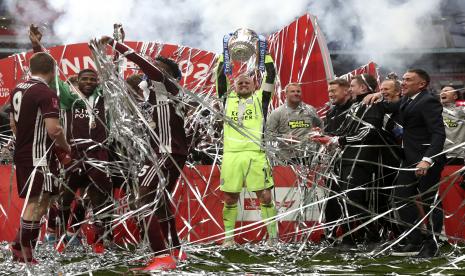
(229, 220)
(269, 211)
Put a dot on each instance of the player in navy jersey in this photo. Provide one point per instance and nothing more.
(161, 91)
(34, 119)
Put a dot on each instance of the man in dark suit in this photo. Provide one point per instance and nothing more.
(423, 139)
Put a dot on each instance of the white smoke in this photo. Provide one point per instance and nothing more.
(196, 23)
(373, 28)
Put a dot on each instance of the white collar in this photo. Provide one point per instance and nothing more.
(39, 79)
(414, 96)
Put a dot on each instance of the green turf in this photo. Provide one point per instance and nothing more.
(252, 259)
(283, 259)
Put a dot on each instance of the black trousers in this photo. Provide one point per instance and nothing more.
(333, 209)
(358, 181)
(410, 190)
(390, 156)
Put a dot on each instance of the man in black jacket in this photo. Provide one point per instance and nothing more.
(358, 136)
(340, 98)
(423, 139)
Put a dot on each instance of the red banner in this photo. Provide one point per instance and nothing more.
(301, 55)
(370, 69)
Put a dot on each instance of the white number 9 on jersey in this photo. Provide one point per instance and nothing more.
(17, 104)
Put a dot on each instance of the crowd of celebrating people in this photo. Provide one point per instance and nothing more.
(387, 143)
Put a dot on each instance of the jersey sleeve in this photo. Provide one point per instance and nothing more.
(222, 82)
(268, 82)
(370, 123)
(12, 109)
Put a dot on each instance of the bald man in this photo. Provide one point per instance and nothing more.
(244, 160)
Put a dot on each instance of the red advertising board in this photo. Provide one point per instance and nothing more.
(198, 207)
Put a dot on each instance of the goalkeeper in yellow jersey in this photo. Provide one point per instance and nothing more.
(244, 160)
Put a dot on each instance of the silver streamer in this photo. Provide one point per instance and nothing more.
(129, 128)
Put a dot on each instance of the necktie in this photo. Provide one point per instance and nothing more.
(404, 105)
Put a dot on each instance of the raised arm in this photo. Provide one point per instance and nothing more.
(67, 98)
(370, 123)
(35, 36)
(269, 80)
(222, 82)
(268, 84)
(377, 98)
(152, 72)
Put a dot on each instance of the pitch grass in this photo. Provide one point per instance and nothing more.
(283, 259)
(286, 259)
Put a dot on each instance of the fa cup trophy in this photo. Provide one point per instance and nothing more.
(243, 45)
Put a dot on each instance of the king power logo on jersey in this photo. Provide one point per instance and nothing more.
(81, 113)
(290, 200)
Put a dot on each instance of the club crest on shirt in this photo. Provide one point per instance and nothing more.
(55, 103)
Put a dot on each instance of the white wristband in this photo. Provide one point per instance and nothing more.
(268, 87)
(429, 160)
